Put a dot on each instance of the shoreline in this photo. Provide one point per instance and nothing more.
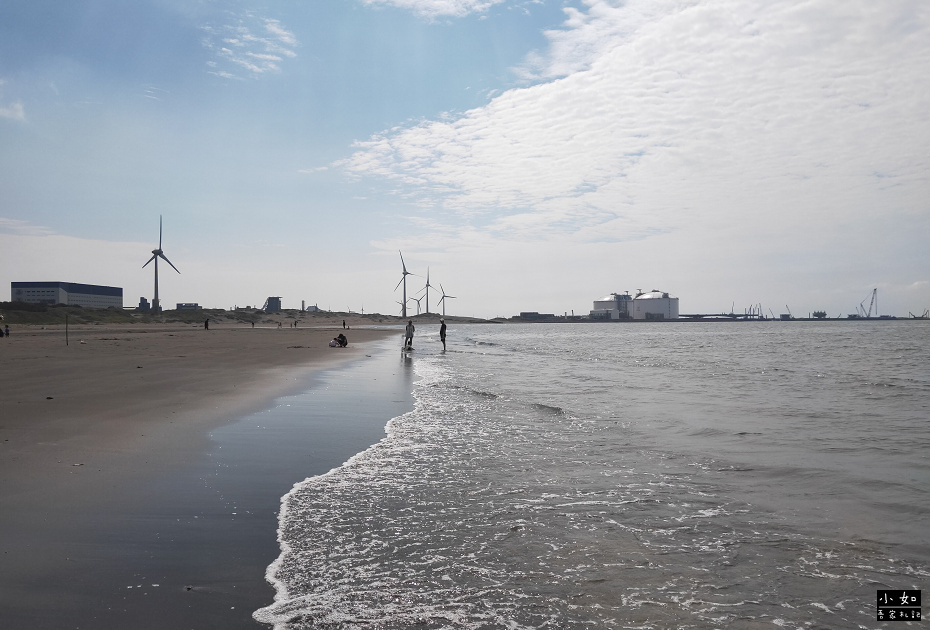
(143, 496)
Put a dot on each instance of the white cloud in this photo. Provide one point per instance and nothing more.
(586, 36)
(254, 45)
(439, 8)
(689, 117)
(13, 111)
(281, 36)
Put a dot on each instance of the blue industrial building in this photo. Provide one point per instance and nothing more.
(69, 293)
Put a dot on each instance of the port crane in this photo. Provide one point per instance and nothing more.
(874, 302)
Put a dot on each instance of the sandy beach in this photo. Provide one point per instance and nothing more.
(112, 512)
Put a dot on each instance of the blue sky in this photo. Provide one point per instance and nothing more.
(531, 155)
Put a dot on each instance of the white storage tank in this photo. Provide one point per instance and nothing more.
(614, 306)
(655, 304)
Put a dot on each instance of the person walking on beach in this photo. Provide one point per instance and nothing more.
(442, 333)
(206, 324)
(408, 334)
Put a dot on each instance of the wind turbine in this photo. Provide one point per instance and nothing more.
(417, 300)
(156, 254)
(428, 285)
(443, 299)
(403, 280)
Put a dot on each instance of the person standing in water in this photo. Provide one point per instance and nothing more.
(408, 334)
(442, 333)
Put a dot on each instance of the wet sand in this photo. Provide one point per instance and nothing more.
(142, 471)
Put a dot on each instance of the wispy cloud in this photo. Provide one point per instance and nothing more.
(439, 8)
(249, 47)
(155, 93)
(657, 115)
(23, 228)
(587, 36)
(12, 111)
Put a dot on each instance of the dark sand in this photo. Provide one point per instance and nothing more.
(147, 497)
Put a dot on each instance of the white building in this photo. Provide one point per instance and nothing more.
(614, 306)
(70, 293)
(655, 305)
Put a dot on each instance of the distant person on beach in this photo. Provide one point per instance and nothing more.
(206, 324)
(442, 333)
(7, 330)
(408, 334)
(343, 324)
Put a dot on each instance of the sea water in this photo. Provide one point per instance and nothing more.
(655, 475)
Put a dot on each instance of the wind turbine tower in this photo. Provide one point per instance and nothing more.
(156, 254)
(428, 285)
(403, 280)
(443, 299)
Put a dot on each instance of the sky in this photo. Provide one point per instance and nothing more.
(527, 155)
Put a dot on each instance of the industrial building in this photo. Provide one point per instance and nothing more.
(651, 305)
(614, 306)
(655, 305)
(68, 293)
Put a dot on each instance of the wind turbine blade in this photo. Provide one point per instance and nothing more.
(402, 262)
(150, 260)
(165, 258)
(159, 236)
(398, 284)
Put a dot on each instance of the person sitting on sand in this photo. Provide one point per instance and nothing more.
(339, 341)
